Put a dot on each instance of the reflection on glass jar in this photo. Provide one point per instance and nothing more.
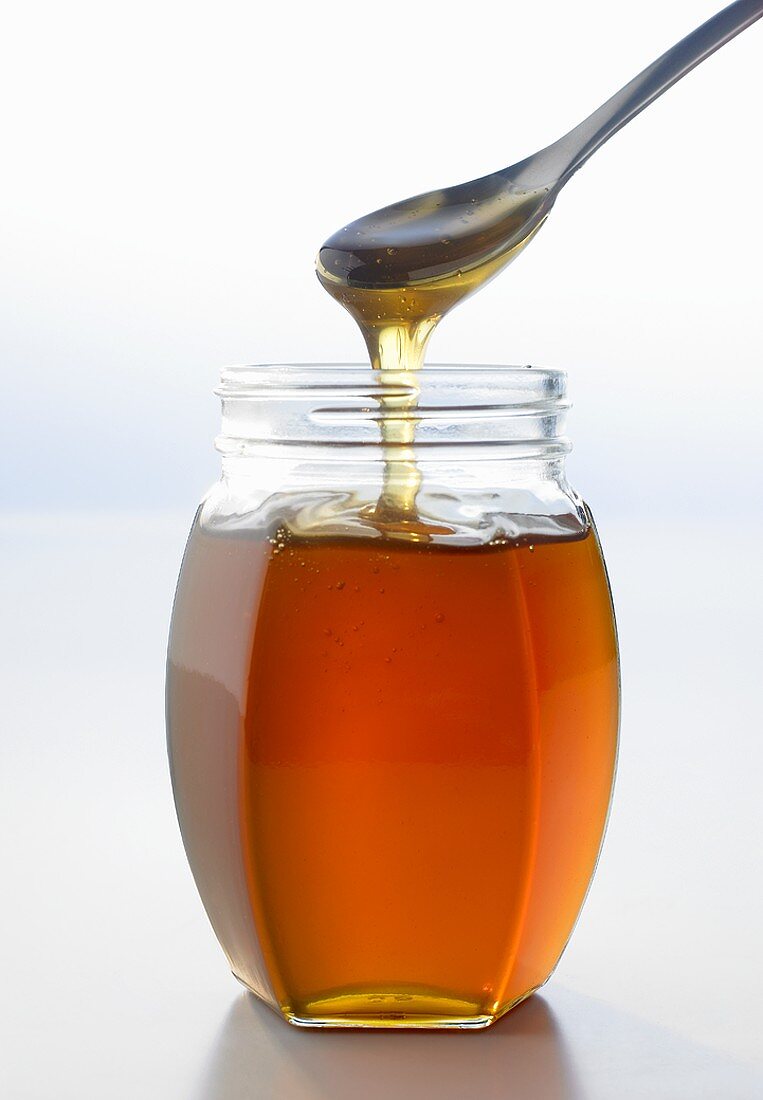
(392, 734)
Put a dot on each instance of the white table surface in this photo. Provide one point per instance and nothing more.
(111, 983)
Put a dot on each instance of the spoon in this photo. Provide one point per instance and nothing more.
(457, 238)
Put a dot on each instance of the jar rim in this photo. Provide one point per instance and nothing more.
(519, 408)
(313, 365)
(236, 379)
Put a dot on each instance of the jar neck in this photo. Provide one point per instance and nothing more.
(473, 453)
(356, 414)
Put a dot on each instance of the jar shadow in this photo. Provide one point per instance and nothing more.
(257, 1056)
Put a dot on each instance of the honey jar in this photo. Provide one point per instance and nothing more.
(392, 733)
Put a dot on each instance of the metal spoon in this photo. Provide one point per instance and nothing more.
(427, 240)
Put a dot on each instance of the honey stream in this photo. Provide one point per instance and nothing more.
(397, 286)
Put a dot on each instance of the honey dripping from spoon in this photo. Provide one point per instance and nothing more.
(399, 270)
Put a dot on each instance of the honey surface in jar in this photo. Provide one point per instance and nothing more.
(392, 763)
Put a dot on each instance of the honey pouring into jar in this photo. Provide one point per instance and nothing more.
(399, 270)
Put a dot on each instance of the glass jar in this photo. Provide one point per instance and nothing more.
(392, 692)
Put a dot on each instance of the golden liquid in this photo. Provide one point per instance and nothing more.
(379, 273)
(392, 764)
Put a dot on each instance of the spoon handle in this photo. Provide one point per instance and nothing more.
(554, 165)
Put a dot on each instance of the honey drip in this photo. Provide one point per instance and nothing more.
(397, 285)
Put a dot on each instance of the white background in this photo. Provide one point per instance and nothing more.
(169, 171)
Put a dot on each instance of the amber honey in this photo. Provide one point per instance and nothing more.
(392, 763)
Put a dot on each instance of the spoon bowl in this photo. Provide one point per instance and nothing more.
(434, 235)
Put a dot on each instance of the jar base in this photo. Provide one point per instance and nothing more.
(393, 1009)
(392, 1020)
